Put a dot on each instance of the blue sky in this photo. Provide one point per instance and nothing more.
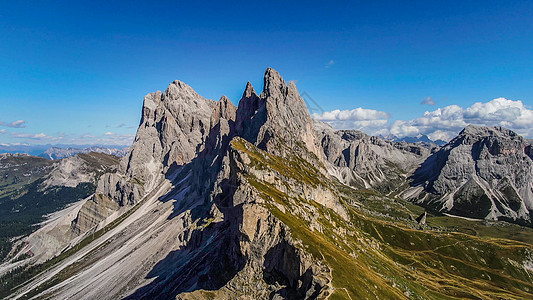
(76, 71)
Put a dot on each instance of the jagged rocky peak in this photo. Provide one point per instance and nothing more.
(274, 85)
(179, 125)
(174, 127)
(277, 117)
(251, 114)
(249, 91)
(472, 176)
(473, 134)
(222, 127)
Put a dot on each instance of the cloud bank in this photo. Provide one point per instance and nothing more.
(35, 136)
(359, 118)
(443, 123)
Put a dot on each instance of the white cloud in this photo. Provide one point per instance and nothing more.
(2, 131)
(501, 112)
(358, 114)
(359, 118)
(330, 63)
(35, 136)
(14, 124)
(109, 133)
(443, 123)
(428, 101)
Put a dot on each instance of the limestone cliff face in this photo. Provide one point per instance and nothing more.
(485, 172)
(174, 127)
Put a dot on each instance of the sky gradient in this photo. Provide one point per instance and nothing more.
(76, 73)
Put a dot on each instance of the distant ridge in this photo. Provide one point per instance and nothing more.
(60, 153)
(39, 150)
(413, 139)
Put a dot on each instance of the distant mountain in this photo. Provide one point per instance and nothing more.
(54, 153)
(34, 150)
(365, 161)
(485, 172)
(420, 138)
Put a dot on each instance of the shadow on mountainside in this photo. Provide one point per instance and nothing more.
(429, 171)
(211, 256)
(206, 262)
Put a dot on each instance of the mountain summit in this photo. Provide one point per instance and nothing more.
(259, 201)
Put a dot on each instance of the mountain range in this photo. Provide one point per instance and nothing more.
(62, 151)
(260, 201)
(413, 139)
(59, 153)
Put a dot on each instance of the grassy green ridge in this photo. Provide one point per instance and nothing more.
(383, 255)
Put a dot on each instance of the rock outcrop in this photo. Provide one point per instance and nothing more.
(173, 130)
(199, 147)
(485, 172)
(277, 119)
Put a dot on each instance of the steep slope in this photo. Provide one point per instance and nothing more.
(246, 208)
(173, 129)
(485, 172)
